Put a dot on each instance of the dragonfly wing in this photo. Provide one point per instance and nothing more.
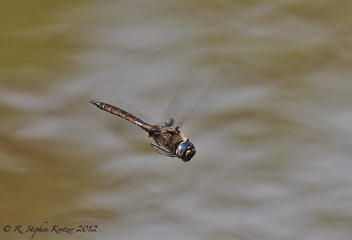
(190, 92)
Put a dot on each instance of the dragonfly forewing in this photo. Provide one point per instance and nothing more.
(189, 94)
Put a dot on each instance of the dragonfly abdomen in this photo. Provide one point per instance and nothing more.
(123, 114)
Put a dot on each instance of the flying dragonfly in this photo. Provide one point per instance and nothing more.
(167, 137)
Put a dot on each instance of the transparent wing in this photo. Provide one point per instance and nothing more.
(190, 92)
(119, 126)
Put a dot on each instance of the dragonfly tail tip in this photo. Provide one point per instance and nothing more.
(93, 102)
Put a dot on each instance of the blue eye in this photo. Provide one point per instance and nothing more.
(185, 151)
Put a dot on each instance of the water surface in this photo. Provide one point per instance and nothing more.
(273, 140)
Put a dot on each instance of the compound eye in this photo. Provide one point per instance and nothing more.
(185, 151)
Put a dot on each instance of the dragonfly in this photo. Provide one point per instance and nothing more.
(167, 138)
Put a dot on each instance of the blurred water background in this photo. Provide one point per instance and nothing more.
(274, 156)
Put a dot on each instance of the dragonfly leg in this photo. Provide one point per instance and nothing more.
(162, 151)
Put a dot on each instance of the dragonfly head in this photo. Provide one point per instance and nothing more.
(185, 150)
